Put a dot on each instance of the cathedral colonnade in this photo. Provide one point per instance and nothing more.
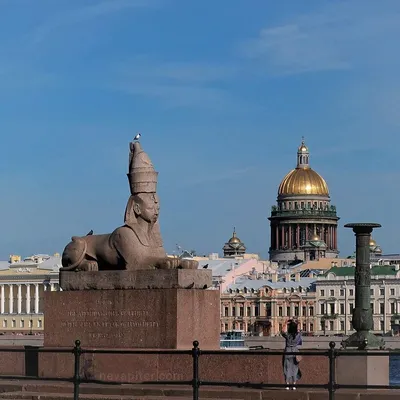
(295, 235)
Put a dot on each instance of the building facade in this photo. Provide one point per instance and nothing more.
(303, 223)
(335, 296)
(263, 307)
(22, 287)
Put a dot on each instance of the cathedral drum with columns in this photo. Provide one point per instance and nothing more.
(303, 223)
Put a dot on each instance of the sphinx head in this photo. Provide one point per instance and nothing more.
(146, 206)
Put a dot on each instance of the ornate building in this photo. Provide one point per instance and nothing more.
(303, 223)
(234, 247)
(263, 307)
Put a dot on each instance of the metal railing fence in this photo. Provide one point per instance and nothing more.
(196, 383)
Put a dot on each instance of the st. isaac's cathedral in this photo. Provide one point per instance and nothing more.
(303, 223)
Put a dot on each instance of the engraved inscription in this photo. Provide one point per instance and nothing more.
(106, 314)
(109, 324)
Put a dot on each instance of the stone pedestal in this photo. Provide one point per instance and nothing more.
(362, 370)
(133, 318)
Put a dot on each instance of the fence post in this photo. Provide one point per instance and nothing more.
(77, 377)
(195, 380)
(332, 371)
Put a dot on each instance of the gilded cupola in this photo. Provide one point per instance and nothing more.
(303, 180)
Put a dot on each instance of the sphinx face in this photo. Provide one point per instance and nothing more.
(149, 206)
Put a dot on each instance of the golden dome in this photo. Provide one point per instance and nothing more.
(372, 243)
(234, 238)
(303, 181)
(315, 238)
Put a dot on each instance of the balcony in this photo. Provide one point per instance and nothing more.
(308, 213)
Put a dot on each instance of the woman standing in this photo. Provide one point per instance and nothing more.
(291, 368)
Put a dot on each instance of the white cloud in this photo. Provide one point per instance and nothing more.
(86, 13)
(339, 36)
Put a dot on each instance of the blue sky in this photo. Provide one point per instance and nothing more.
(222, 93)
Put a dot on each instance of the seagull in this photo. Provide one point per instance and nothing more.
(137, 137)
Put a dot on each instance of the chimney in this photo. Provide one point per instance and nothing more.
(297, 277)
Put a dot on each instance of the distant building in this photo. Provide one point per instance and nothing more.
(303, 223)
(234, 247)
(262, 307)
(22, 285)
(335, 296)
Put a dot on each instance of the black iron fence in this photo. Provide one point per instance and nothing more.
(31, 372)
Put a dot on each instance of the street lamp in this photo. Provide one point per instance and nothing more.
(362, 313)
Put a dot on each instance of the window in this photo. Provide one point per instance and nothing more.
(392, 292)
(296, 311)
(331, 325)
(241, 311)
(13, 324)
(233, 311)
(322, 292)
(382, 325)
(40, 324)
(351, 326)
(311, 311)
(31, 324)
(342, 325)
(372, 292)
(22, 323)
(311, 327)
(322, 308)
(241, 326)
(372, 308)
(226, 327)
(341, 292)
(304, 311)
(351, 306)
(382, 292)
(288, 311)
(5, 323)
(226, 311)
(332, 292)
(322, 325)
(304, 327)
(249, 311)
(392, 308)
(332, 308)
(268, 310)
(280, 312)
(351, 292)
(342, 308)
(382, 308)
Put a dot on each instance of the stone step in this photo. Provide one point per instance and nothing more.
(65, 396)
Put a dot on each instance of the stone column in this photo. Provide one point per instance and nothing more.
(19, 299)
(298, 235)
(28, 298)
(362, 313)
(276, 237)
(36, 298)
(2, 299)
(290, 236)
(283, 235)
(11, 299)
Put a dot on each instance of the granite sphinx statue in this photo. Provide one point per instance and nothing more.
(137, 245)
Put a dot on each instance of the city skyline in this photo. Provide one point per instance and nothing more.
(222, 97)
